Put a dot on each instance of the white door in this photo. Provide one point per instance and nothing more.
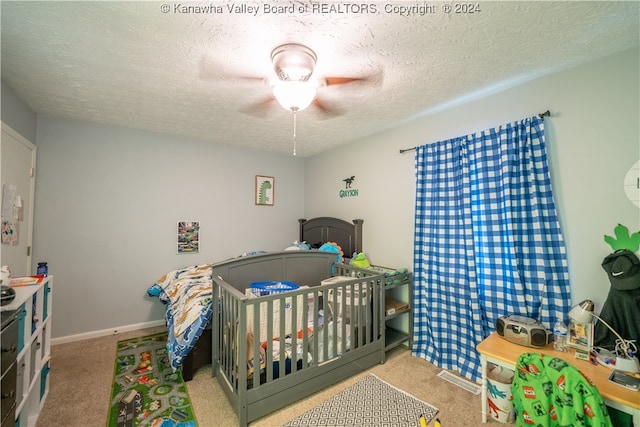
(17, 166)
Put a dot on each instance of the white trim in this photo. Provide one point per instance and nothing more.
(28, 232)
(17, 135)
(105, 332)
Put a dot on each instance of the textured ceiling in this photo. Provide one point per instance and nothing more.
(181, 70)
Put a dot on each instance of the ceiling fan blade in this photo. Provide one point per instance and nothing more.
(211, 71)
(371, 79)
(260, 109)
(342, 80)
(328, 112)
(253, 79)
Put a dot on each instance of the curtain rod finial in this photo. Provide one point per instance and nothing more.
(545, 114)
(402, 151)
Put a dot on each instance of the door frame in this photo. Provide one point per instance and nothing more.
(28, 216)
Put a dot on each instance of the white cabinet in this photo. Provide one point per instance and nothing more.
(33, 306)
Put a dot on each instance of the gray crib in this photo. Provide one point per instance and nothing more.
(273, 350)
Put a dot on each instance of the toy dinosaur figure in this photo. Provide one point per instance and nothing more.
(360, 260)
(623, 240)
(262, 195)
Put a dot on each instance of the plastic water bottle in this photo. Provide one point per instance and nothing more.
(42, 268)
(560, 336)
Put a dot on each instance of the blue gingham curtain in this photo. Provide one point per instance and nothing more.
(487, 241)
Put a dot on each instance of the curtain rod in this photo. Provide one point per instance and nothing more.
(541, 115)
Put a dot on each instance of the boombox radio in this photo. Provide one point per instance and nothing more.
(523, 330)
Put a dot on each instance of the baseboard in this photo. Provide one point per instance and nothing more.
(105, 332)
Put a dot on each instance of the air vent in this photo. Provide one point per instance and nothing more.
(460, 382)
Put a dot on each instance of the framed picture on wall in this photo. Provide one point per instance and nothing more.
(188, 237)
(265, 190)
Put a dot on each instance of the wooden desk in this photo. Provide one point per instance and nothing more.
(501, 352)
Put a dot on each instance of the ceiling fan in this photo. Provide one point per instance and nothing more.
(296, 86)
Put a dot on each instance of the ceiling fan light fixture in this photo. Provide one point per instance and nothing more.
(294, 95)
(293, 62)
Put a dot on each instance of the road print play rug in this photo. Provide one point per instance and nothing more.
(145, 390)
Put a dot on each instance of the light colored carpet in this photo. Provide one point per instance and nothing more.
(81, 374)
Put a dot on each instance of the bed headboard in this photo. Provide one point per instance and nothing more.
(348, 235)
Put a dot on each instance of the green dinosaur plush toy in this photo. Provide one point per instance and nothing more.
(623, 240)
(360, 260)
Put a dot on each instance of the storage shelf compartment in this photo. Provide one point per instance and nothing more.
(44, 380)
(46, 301)
(397, 314)
(393, 338)
(20, 395)
(22, 314)
(397, 280)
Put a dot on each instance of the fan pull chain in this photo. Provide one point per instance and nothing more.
(294, 133)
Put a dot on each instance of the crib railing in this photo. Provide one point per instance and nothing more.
(260, 343)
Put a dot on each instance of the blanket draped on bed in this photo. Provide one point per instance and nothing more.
(187, 295)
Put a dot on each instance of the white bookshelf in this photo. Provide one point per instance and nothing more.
(33, 304)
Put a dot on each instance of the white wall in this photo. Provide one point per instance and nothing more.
(108, 199)
(107, 205)
(17, 114)
(593, 137)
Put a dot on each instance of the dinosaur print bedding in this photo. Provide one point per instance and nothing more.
(187, 294)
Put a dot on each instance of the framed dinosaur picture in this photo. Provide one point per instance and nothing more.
(265, 190)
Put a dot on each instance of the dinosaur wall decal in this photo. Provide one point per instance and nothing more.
(623, 239)
(349, 181)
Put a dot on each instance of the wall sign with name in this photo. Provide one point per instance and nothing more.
(348, 191)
